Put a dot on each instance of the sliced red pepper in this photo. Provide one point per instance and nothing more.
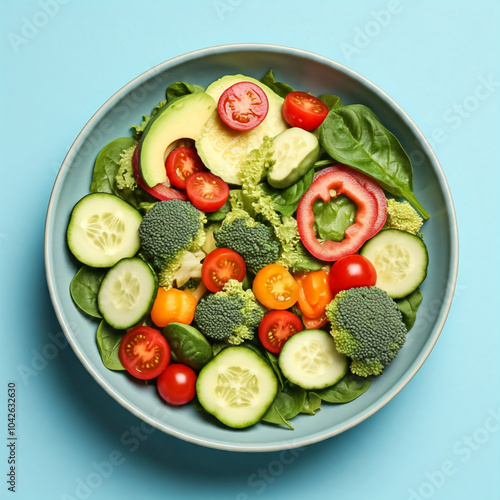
(370, 185)
(160, 191)
(326, 187)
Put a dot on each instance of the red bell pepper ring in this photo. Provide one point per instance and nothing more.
(370, 185)
(160, 191)
(328, 186)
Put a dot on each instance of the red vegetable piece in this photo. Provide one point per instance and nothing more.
(325, 187)
(160, 191)
(370, 185)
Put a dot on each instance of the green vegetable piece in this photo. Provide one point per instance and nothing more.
(84, 288)
(286, 405)
(108, 343)
(312, 404)
(347, 389)
(188, 345)
(353, 135)
(280, 88)
(332, 101)
(285, 201)
(367, 327)
(401, 215)
(332, 218)
(179, 89)
(408, 306)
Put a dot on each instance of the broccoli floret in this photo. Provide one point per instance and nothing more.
(253, 199)
(171, 234)
(401, 215)
(254, 241)
(367, 327)
(125, 178)
(231, 315)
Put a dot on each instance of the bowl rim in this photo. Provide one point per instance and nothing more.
(278, 49)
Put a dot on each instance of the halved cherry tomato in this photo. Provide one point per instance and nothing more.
(303, 110)
(220, 266)
(181, 163)
(313, 323)
(275, 287)
(277, 327)
(352, 271)
(177, 384)
(315, 293)
(206, 191)
(173, 306)
(144, 352)
(243, 106)
(160, 191)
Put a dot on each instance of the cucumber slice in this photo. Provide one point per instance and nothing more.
(310, 360)
(295, 151)
(127, 293)
(400, 259)
(103, 229)
(237, 387)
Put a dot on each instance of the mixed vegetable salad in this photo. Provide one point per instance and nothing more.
(252, 249)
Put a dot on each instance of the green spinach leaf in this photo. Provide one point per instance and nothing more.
(220, 214)
(108, 343)
(332, 218)
(353, 135)
(286, 200)
(287, 404)
(312, 404)
(332, 101)
(280, 88)
(347, 389)
(180, 89)
(408, 306)
(275, 366)
(84, 288)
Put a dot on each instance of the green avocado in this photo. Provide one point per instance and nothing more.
(222, 149)
(183, 119)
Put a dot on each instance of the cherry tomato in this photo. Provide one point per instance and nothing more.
(177, 384)
(173, 306)
(275, 287)
(206, 191)
(160, 191)
(314, 323)
(315, 293)
(243, 106)
(220, 266)
(144, 352)
(352, 271)
(303, 110)
(277, 327)
(181, 163)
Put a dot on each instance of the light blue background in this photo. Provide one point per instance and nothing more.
(440, 437)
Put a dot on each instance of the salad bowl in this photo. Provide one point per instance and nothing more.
(305, 71)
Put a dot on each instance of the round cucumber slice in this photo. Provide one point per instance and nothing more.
(103, 229)
(310, 360)
(127, 293)
(295, 151)
(400, 259)
(237, 387)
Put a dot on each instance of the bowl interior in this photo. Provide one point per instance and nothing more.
(303, 71)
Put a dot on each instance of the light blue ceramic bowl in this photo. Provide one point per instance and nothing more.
(304, 71)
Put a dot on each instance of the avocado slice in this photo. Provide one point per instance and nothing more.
(183, 119)
(222, 149)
